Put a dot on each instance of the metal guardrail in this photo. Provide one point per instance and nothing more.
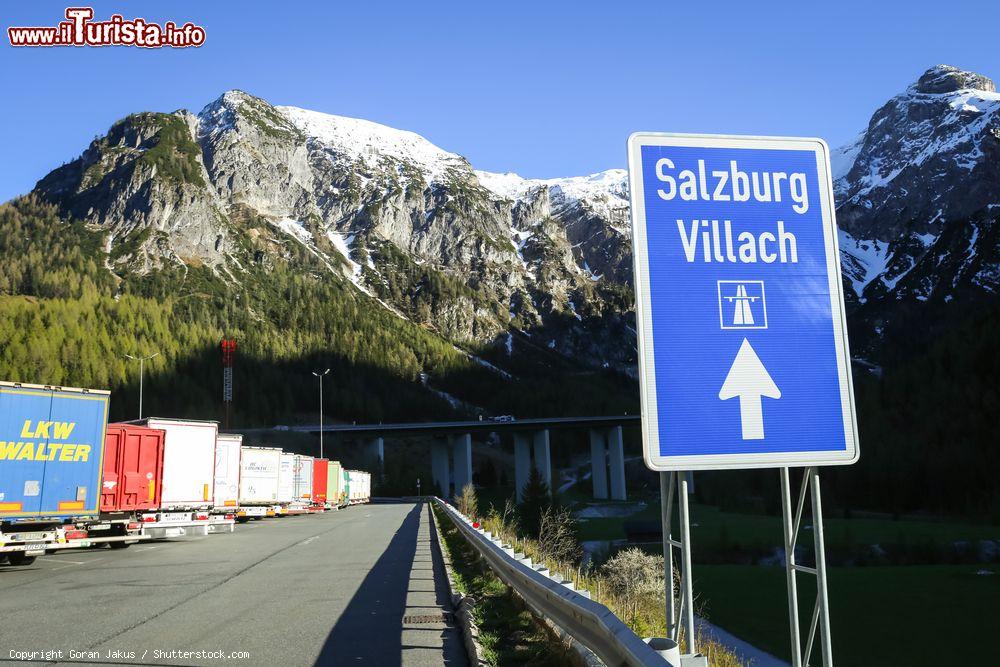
(589, 622)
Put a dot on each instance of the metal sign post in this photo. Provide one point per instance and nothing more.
(821, 609)
(682, 611)
(743, 354)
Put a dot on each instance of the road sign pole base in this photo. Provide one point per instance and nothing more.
(792, 522)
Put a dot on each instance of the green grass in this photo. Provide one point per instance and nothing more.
(712, 529)
(509, 634)
(919, 615)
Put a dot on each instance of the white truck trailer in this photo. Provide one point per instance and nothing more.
(303, 480)
(227, 482)
(359, 487)
(259, 469)
(188, 493)
(286, 487)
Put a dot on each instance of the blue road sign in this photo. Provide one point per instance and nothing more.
(744, 360)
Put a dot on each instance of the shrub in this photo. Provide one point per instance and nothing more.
(467, 502)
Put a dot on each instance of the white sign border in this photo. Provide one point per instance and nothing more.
(647, 369)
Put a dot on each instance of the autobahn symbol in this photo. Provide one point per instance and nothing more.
(742, 313)
(742, 304)
(731, 376)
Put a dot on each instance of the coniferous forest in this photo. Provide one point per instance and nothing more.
(67, 319)
(928, 420)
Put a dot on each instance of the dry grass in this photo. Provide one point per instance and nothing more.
(633, 589)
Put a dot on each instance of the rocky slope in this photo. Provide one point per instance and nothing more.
(478, 257)
(916, 192)
(498, 261)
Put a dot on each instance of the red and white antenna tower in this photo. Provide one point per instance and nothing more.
(228, 356)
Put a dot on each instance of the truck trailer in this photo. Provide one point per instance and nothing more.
(320, 484)
(259, 469)
(334, 485)
(303, 481)
(188, 495)
(52, 445)
(359, 487)
(286, 484)
(227, 482)
(132, 480)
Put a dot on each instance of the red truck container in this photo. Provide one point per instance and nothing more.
(319, 485)
(133, 468)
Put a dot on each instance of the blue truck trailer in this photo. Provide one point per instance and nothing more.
(51, 464)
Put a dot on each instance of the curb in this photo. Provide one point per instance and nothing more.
(462, 605)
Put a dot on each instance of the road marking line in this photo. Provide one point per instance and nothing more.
(75, 563)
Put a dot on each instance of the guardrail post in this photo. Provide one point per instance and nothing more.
(522, 463)
(599, 464)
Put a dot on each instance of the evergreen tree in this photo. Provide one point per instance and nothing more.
(535, 500)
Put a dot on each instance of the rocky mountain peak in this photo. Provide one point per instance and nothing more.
(916, 192)
(374, 145)
(947, 79)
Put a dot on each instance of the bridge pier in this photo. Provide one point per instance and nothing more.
(452, 461)
(461, 446)
(523, 459)
(598, 465)
(543, 457)
(522, 464)
(616, 462)
(607, 463)
(439, 469)
(375, 450)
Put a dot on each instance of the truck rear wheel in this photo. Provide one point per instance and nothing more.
(20, 558)
(119, 545)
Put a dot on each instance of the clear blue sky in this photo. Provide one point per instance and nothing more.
(541, 88)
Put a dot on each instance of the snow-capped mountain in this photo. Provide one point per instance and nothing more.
(482, 257)
(470, 254)
(916, 190)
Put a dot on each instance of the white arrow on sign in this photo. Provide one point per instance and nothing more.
(749, 380)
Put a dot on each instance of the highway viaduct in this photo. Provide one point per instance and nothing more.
(451, 451)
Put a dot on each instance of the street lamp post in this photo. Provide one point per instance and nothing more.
(320, 375)
(142, 363)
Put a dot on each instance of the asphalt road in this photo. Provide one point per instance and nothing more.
(329, 589)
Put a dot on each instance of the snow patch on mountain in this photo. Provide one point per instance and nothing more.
(295, 228)
(842, 159)
(606, 187)
(343, 245)
(372, 143)
(863, 260)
